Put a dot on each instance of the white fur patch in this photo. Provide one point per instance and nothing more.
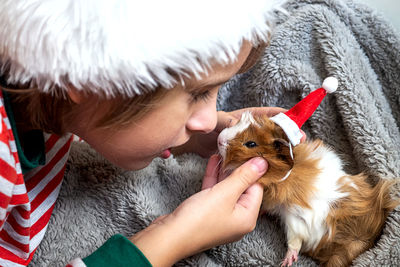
(310, 224)
(116, 46)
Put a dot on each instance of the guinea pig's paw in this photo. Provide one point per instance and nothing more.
(291, 256)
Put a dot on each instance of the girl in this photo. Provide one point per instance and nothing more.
(136, 80)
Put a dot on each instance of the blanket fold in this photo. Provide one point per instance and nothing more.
(315, 39)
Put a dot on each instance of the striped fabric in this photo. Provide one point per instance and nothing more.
(26, 202)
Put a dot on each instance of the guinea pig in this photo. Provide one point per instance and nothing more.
(327, 214)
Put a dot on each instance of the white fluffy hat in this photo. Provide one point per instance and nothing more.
(123, 46)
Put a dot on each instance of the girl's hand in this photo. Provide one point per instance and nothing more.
(224, 211)
(206, 144)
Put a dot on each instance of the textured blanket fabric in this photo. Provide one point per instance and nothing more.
(316, 39)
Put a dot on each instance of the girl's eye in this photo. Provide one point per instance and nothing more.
(201, 96)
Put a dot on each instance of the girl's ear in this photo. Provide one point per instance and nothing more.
(75, 95)
(253, 57)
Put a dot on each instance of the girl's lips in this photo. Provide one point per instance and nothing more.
(166, 153)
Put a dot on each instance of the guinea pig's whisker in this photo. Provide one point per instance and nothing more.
(217, 168)
(220, 162)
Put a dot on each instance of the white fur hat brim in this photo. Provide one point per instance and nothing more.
(123, 46)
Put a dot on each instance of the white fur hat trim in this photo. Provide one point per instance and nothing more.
(289, 127)
(123, 46)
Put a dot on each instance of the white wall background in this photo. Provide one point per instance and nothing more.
(390, 8)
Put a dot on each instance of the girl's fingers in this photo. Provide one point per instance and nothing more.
(243, 177)
(304, 136)
(251, 199)
(269, 111)
(225, 120)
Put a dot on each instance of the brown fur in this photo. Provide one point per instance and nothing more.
(355, 221)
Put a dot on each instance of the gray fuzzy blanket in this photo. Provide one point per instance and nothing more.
(316, 39)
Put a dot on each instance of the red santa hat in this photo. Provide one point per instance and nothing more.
(126, 47)
(292, 120)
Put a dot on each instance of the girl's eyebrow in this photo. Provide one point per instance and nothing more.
(206, 85)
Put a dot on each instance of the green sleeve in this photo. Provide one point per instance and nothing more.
(117, 251)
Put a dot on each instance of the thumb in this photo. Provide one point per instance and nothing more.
(244, 176)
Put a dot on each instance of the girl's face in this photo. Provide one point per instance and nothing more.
(182, 112)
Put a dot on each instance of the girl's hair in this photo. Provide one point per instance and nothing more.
(52, 113)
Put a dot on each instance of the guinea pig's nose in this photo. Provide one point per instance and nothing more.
(221, 142)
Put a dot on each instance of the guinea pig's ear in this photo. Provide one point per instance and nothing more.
(284, 150)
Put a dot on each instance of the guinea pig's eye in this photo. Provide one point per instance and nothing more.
(250, 144)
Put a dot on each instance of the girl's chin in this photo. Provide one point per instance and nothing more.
(135, 165)
(146, 162)
(143, 162)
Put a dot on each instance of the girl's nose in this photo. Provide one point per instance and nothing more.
(202, 122)
(204, 116)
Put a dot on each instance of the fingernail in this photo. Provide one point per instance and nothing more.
(260, 163)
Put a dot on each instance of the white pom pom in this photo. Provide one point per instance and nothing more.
(330, 84)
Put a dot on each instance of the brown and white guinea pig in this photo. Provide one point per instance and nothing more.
(328, 214)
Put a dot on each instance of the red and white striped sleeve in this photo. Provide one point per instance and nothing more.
(27, 200)
(13, 198)
(12, 187)
(8, 172)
